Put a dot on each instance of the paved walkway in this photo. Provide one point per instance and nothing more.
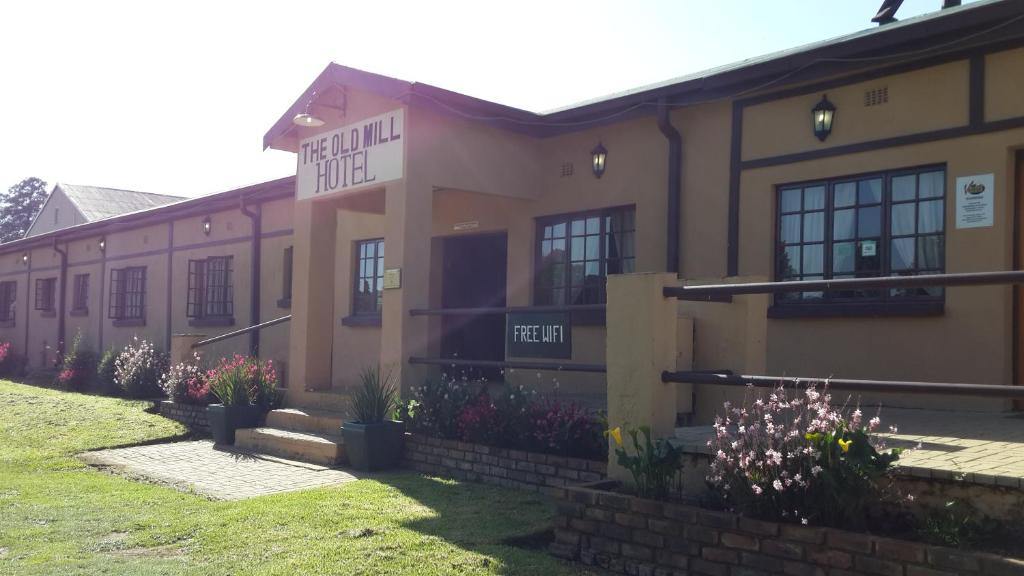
(218, 473)
(975, 447)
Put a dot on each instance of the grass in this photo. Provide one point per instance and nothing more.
(59, 516)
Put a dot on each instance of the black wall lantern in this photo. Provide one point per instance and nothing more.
(207, 226)
(600, 156)
(823, 114)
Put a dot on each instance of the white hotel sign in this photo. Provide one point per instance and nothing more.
(369, 152)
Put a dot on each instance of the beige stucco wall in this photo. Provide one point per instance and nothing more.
(1004, 85)
(58, 212)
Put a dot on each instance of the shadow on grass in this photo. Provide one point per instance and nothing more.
(512, 526)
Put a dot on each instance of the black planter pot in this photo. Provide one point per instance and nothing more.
(224, 420)
(373, 446)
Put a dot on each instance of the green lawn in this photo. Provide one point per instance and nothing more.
(58, 516)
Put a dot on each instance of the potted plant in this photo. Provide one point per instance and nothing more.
(372, 441)
(243, 386)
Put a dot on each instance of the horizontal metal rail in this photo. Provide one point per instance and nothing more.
(980, 390)
(241, 331)
(506, 310)
(881, 282)
(512, 364)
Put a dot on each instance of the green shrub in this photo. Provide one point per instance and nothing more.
(78, 367)
(375, 399)
(241, 381)
(138, 369)
(186, 383)
(106, 373)
(958, 524)
(437, 405)
(654, 465)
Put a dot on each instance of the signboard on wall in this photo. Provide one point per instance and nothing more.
(369, 152)
(539, 335)
(975, 196)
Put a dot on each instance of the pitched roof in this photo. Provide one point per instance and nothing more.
(97, 203)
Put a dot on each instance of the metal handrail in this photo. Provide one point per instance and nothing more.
(901, 387)
(242, 331)
(512, 364)
(927, 280)
(506, 310)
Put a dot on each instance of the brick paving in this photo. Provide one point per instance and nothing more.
(975, 447)
(222, 474)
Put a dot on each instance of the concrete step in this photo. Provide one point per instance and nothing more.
(307, 420)
(326, 449)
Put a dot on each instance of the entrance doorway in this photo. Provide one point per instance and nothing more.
(475, 269)
(1018, 290)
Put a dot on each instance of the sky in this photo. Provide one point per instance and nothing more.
(174, 97)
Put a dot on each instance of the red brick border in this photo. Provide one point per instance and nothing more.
(511, 468)
(634, 536)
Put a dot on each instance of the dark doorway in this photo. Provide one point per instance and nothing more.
(474, 277)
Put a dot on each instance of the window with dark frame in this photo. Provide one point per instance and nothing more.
(8, 301)
(369, 278)
(210, 288)
(286, 278)
(882, 224)
(80, 295)
(576, 253)
(46, 294)
(128, 293)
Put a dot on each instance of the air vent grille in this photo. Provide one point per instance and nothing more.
(876, 96)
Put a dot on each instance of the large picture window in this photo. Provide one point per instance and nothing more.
(369, 278)
(8, 299)
(874, 225)
(210, 288)
(128, 294)
(576, 253)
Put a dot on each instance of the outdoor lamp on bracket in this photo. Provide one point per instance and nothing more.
(207, 225)
(24, 258)
(822, 116)
(103, 244)
(600, 158)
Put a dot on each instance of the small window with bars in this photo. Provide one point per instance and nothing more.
(46, 294)
(210, 288)
(8, 298)
(80, 295)
(128, 293)
(369, 277)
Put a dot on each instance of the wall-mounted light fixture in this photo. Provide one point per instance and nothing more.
(306, 118)
(822, 115)
(103, 244)
(600, 157)
(207, 225)
(24, 258)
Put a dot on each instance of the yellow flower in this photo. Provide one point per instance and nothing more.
(616, 434)
(845, 444)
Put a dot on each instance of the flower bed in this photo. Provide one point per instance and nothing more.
(511, 468)
(631, 535)
(191, 415)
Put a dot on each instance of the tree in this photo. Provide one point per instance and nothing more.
(19, 206)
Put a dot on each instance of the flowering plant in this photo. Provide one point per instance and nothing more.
(138, 368)
(186, 383)
(241, 381)
(566, 428)
(436, 406)
(76, 367)
(654, 465)
(796, 457)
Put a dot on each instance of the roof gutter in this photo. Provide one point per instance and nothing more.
(256, 216)
(675, 181)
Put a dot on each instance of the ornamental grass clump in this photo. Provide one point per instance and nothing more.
(794, 456)
(654, 465)
(242, 381)
(376, 397)
(185, 382)
(138, 368)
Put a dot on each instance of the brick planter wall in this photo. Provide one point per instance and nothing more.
(634, 536)
(511, 468)
(190, 415)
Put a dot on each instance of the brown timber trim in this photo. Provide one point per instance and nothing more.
(976, 124)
